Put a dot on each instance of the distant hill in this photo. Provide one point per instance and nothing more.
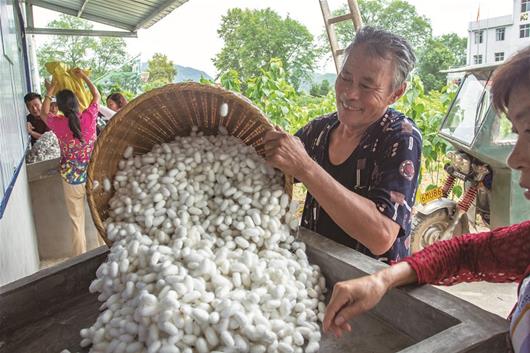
(189, 74)
(184, 73)
(318, 78)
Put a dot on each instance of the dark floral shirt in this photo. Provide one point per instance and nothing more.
(383, 168)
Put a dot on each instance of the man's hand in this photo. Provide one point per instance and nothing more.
(29, 128)
(286, 152)
(352, 298)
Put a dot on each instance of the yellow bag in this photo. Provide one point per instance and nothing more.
(66, 79)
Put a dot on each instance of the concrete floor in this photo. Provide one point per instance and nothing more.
(498, 298)
(92, 243)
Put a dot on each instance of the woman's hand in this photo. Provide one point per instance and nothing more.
(79, 73)
(352, 298)
(29, 128)
(286, 152)
(50, 87)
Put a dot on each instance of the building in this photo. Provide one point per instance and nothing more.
(495, 39)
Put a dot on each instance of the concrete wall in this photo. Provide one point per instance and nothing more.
(19, 255)
(18, 243)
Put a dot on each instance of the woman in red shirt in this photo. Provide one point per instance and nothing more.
(501, 255)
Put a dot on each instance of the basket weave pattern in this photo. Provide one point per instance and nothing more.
(161, 115)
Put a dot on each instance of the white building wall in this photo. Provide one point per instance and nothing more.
(490, 45)
(18, 244)
(19, 255)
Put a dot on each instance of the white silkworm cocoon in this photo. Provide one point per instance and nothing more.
(204, 259)
(106, 184)
(128, 152)
(223, 110)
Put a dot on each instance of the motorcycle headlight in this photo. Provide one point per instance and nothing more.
(465, 165)
(460, 162)
(457, 160)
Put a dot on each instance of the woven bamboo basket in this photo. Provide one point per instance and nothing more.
(161, 115)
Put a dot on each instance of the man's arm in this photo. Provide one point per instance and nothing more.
(32, 132)
(35, 135)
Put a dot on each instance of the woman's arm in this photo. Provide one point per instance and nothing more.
(50, 91)
(93, 90)
(356, 215)
(501, 255)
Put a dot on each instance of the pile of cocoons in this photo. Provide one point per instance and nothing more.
(204, 257)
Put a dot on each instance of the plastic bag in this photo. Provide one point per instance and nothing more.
(66, 79)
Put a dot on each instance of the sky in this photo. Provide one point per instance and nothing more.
(188, 36)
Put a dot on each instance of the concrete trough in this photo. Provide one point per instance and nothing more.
(44, 312)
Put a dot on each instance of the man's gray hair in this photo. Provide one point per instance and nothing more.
(386, 45)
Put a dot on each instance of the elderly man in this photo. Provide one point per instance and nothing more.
(360, 164)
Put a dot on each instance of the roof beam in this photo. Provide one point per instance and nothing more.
(80, 32)
(80, 12)
(156, 12)
(73, 12)
(29, 15)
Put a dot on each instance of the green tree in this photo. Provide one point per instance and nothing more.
(110, 53)
(457, 45)
(161, 71)
(72, 50)
(439, 54)
(396, 16)
(102, 55)
(253, 37)
(320, 90)
(277, 98)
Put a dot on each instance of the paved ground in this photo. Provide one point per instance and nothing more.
(498, 298)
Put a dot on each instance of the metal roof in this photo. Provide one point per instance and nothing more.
(473, 68)
(129, 15)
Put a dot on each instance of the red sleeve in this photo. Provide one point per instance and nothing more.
(502, 255)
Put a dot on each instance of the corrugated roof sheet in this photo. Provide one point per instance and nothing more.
(130, 15)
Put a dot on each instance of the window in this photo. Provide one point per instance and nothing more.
(525, 5)
(463, 119)
(499, 56)
(499, 33)
(479, 36)
(477, 59)
(524, 31)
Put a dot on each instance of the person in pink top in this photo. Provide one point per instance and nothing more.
(76, 132)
